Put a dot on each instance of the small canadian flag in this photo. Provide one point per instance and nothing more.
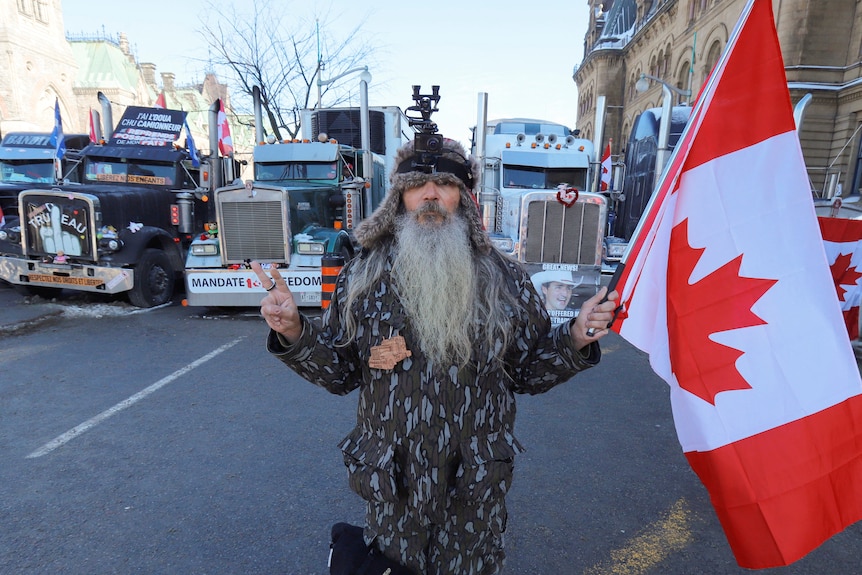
(842, 240)
(225, 142)
(92, 129)
(606, 168)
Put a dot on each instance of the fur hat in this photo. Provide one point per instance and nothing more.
(453, 167)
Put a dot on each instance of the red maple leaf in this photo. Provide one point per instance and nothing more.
(718, 302)
(843, 274)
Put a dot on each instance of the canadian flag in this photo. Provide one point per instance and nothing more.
(225, 142)
(93, 137)
(606, 168)
(727, 288)
(2, 218)
(160, 101)
(842, 239)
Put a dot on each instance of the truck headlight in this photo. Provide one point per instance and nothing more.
(110, 244)
(208, 249)
(310, 248)
(616, 250)
(503, 244)
(11, 234)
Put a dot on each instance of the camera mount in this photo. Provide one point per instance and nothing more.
(427, 143)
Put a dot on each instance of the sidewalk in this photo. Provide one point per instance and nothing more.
(19, 312)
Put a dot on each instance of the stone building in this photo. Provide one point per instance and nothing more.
(38, 66)
(679, 41)
(41, 64)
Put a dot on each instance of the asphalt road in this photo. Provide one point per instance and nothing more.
(169, 441)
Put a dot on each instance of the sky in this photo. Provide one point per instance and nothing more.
(521, 53)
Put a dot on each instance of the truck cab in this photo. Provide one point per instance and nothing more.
(536, 205)
(124, 228)
(306, 198)
(27, 161)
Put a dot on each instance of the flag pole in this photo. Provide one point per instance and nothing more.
(673, 167)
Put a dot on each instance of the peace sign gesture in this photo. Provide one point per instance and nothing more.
(278, 308)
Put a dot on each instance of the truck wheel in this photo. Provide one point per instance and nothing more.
(154, 280)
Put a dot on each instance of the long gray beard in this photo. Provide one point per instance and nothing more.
(433, 269)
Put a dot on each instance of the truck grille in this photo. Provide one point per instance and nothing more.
(559, 234)
(253, 230)
(55, 221)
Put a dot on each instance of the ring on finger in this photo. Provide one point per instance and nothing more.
(271, 287)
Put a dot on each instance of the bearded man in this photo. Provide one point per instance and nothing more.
(438, 331)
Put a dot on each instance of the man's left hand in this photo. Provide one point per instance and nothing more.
(595, 314)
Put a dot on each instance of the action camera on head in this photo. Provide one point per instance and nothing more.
(427, 143)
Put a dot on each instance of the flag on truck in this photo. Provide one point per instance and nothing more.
(842, 239)
(93, 137)
(57, 139)
(726, 287)
(190, 143)
(607, 169)
(225, 142)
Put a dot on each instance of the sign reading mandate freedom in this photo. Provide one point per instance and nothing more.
(215, 283)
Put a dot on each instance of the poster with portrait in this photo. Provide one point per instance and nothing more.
(563, 288)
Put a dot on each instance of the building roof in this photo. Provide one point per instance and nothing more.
(102, 64)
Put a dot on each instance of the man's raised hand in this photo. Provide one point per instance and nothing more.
(278, 307)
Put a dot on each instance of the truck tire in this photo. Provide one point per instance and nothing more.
(154, 280)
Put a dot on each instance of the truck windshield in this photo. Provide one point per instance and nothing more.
(142, 173)
(12, 171)
(305, 171)
(543, 178)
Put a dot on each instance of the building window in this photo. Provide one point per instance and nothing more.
(682, 84)
(856, 187)
(40, 11)
(712, 56)
(23, 7)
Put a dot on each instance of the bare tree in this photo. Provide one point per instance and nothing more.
(265, 45)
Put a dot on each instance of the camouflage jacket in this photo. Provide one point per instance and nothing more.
(424, 433)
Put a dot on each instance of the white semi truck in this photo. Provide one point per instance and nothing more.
(536, 202)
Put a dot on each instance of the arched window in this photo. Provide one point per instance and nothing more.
(683, 79)
(712, 57)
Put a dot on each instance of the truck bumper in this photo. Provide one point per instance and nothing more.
(242, 288)
(99, 279)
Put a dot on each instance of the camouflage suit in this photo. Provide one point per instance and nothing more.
(432, 452)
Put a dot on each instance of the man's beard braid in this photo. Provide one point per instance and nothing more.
(433, 270)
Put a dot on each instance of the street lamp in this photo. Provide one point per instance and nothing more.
(364, 77)
(642, 85)
(364, 128)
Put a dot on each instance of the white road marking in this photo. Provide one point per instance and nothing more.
(92, 422)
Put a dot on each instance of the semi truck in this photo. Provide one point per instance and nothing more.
(536, 204)
(27, 161)
(306, 198)
(642, 151)
(126, 226)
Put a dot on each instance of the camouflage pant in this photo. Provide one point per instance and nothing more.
(469, 541)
